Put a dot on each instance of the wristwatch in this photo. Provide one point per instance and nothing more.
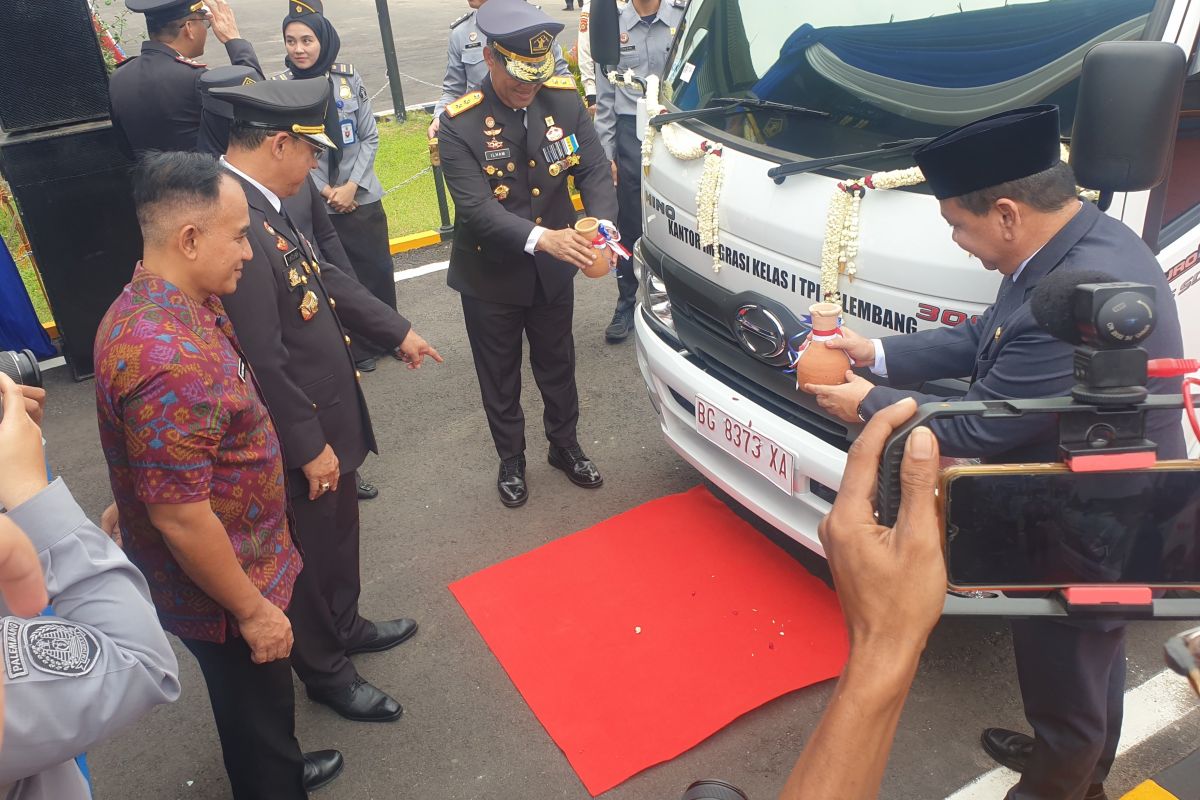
(859, 410)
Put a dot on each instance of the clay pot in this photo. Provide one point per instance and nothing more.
(818, 364)
(590, 227)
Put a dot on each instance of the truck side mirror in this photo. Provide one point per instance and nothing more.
(1126, 115)
(605, 29)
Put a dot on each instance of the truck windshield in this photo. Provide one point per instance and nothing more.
(886, 71)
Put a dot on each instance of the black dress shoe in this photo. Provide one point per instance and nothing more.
(367, 491)
(321, 767)
(579, 468)
(1008, 748)
(387, 635)
(511, 482)
(621, 326)
(368, 364)
(360, 701)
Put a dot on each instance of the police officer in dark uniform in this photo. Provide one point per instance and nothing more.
(155, 97)
(507, 149)
(291, 312)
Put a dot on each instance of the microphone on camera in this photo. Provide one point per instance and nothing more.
(1053, 303)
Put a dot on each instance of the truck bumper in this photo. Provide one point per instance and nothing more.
(674, 378)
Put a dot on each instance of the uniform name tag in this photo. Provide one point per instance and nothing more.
(498, 155)
(291, 256)
(242, 369)
(472, 44)
(348, 135)
(628, 48)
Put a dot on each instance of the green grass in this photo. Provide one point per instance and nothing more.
(403, 153)
(412, 207)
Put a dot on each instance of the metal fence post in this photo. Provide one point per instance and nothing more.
(389, 55)
(439, 186)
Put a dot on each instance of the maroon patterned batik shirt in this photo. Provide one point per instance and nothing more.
(181, 421)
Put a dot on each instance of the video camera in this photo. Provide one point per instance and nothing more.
(1106, 524)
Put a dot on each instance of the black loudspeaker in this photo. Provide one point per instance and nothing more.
(72, 186)
(53, 72)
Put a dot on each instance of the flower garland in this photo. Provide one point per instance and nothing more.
(687, 146)
(840, 246)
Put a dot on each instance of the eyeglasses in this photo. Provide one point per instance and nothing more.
(207, 22)
(317, 149)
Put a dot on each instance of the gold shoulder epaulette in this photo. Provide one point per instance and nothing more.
(560, 82)
(341, 69)
(468, 100)
(286, 75)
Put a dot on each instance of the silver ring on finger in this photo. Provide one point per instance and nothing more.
(325, 486)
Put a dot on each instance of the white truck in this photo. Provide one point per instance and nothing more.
(730, 268)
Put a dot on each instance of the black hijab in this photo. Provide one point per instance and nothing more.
(308, 13)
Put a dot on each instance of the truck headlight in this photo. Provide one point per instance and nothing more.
(654, 293)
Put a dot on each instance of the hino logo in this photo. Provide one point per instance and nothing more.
(760, 332)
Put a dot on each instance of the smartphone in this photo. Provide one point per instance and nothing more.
(1042, 526)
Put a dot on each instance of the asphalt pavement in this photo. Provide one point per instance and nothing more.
(466, 733)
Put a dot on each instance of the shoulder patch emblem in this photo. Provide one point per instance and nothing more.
(60, 648)
(461, 19)
(191, 62)
(560, 82)
(286, 75)
(467, 101)
(341, 69)
(14, 657)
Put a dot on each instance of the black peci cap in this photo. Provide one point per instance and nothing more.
(160, 12)
(523, 35)
(994, 150)
(292, 106)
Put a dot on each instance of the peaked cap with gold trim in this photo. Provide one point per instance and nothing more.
(521, 34)
(160, 12)
(292, 106)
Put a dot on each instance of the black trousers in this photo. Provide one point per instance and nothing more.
(629, 205)
(255, 711)
(324, 609)
(364, 235)
(1072, 682)
(494, 330)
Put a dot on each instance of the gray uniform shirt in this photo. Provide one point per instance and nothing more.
(644, 48)
(76, 678)
(465, 67)
(357, 138)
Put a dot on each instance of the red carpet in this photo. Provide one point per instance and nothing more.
(636, 639)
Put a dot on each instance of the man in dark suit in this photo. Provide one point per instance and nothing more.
(297, 343)
(155, 97)
(1011, 202)
(507, 149)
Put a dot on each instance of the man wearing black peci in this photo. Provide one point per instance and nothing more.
(1011, 202)
(294, 312)
(507, 150)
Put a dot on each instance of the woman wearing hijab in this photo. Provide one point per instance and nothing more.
(346, 176)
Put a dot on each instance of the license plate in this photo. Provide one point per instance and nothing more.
(753, 449)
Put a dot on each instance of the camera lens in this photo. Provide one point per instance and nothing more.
(713, 790)
(1125, 319)
(21, 366)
